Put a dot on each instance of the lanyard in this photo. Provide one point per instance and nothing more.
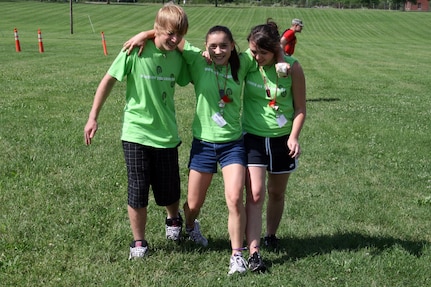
(222, 92)
(272, 101)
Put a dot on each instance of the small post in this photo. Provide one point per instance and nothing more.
(17, 45)
(39, 38)
(105, 50)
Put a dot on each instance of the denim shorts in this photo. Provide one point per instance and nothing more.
(204, 156)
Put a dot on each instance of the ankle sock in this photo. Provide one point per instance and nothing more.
(139, 243)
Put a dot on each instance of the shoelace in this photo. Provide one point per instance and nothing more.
(196, 236)
(239, 260)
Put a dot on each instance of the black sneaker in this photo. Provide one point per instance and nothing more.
(271, 241)
(173, 228)
(255, 263)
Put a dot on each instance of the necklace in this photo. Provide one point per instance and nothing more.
(272, 101)
(222, 92)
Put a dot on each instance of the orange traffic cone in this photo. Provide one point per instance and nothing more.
(17, 45)
(105, 50)
(39, 38)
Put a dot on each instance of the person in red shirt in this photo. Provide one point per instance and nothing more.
(288, 39)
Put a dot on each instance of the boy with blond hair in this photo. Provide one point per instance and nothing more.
(150, 136)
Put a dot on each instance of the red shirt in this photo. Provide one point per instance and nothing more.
(290, 37)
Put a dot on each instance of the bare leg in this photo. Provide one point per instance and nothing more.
(138, 220)
(197, 191)
(277, 184)
(234, 179)
(255, 190)
(173, 209)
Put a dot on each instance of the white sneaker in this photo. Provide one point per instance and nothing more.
(237, 264)
(196, 236)
(139, 250)
(174, 227)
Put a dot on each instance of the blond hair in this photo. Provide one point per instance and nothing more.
(171, 18)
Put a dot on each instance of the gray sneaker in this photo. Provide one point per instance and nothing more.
(196, 236)
(138, 249)
(237, 264)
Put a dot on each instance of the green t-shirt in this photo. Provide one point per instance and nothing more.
(149, 113)
(208, 80)
(258, 117)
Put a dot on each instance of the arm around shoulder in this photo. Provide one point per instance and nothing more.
(138, 40)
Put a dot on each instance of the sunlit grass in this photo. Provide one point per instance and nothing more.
(357, 210)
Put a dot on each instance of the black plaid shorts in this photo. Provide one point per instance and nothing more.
(155, 167)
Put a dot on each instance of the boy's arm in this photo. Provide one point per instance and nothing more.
(138, 41)
(102, 93)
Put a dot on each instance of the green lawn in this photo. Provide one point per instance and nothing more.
(358, 210)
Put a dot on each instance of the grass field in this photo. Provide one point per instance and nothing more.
(358, 210)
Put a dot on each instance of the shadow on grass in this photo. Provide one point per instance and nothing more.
(323, 100)
(292, 249)
(187, 246)
(297, 248)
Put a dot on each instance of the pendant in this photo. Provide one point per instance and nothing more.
(221, 93)
(226, 99)
(273, 105)
(268, 93)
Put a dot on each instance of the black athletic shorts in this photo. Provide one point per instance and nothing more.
(272, 153)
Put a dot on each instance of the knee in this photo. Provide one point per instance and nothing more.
(234, 203)
(274, 194)
(192, 207)
(256, 198)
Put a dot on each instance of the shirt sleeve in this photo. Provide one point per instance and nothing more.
(184, 77)
(191, 53)
(248, 63)
(122, 66)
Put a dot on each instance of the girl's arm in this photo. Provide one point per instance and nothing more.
(281, 67)
(299, 104)
(138, 40)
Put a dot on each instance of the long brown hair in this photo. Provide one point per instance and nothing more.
(234, 58)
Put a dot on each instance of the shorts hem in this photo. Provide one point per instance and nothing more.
(257, 165)
(282, 172)
(201, 170)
